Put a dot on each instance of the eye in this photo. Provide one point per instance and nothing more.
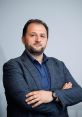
(43, 36)
(32, 35)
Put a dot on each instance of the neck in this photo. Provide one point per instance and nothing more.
(39, 58)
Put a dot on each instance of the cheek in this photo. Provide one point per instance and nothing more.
(44, 42)
(29, 42)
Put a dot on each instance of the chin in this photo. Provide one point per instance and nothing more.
(38, 48)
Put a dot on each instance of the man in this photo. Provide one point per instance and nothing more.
(37, 85)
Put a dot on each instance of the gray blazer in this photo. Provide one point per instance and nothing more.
(20, 77)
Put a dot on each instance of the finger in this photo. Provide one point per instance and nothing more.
(33, 101)
(71, 84)
(36, 104)
(67, 86)
(31, 98)
(31, 93)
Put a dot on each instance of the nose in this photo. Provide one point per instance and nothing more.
(38, 39)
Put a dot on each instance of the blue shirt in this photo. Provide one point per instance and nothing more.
(42, 70)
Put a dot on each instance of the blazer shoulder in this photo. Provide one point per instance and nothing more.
(56, 61)
(12, 63)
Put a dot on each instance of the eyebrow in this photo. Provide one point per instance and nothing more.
(40, 33)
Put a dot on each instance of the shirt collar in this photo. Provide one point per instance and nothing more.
(45, 58)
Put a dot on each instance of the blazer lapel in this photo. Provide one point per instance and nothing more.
(32, 69)
(53, 74)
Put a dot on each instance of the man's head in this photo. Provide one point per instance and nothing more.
(35, 36)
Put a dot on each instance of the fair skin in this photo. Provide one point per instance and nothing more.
(35, 41)
(36, 37)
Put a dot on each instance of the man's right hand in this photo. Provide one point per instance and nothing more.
(67, 85)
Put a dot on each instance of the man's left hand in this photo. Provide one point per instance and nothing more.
(36, 98)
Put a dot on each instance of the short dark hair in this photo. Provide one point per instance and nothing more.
(37, 21)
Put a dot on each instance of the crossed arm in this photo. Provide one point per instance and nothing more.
(42, 101)
(70, 94)
(36, 98)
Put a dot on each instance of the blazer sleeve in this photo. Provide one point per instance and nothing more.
(70, 96)
(16, 88)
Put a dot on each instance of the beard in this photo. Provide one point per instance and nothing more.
(35, 51)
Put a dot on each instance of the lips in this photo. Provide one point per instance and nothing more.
(37, 44)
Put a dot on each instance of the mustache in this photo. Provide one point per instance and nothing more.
(37, 43)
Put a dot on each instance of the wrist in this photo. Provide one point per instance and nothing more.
(54, 96)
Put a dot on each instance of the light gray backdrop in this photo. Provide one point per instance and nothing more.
(64, 18)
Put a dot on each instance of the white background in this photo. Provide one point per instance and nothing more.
(64, 18)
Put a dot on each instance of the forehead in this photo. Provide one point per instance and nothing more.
(36, 27)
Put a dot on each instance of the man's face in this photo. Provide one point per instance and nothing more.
(35, 39)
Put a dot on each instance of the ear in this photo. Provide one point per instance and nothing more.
(23, 40)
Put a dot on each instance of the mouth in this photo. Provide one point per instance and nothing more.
(37, 45)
